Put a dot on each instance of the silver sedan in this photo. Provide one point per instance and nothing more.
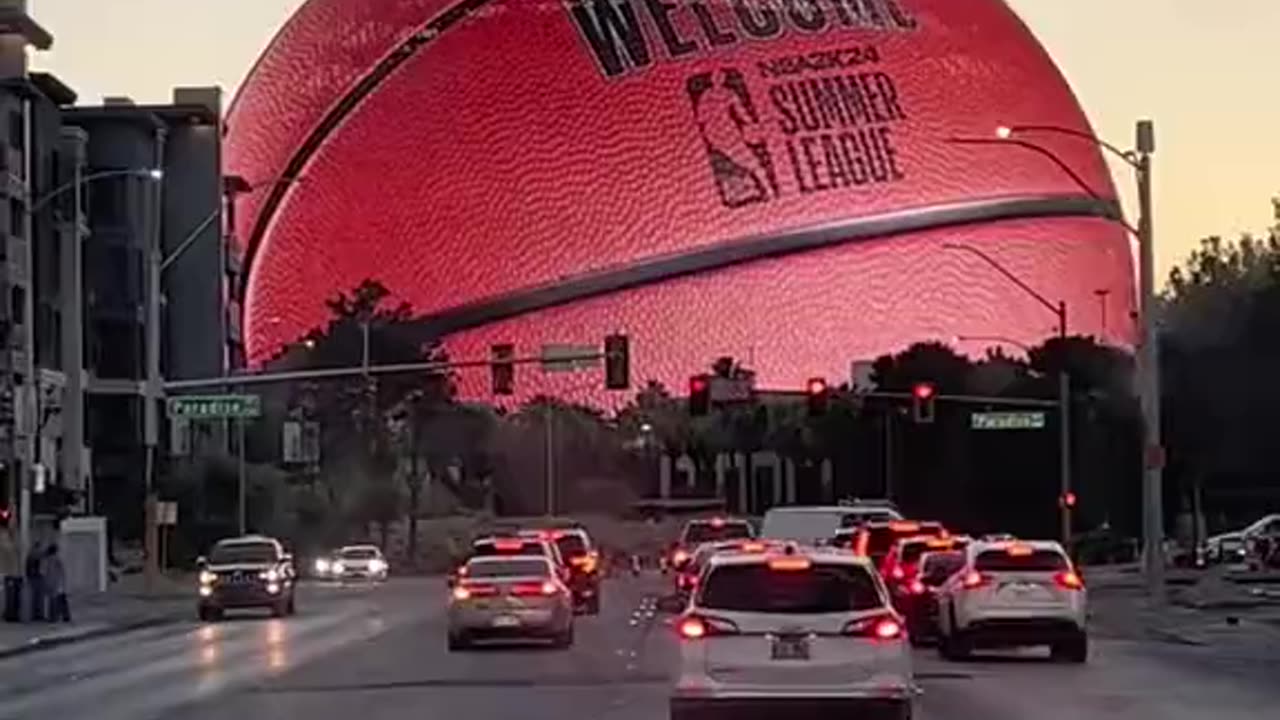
(510, 597)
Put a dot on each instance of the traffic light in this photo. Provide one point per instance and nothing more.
(5, 516)
(817, 393)
(1068, 499)
(699, 395)
(617, 362)
(923, 396)
(504, 370)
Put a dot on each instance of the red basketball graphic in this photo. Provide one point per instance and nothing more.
(777, 181)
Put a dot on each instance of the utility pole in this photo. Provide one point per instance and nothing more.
(27, 394)
(1064, 429)
(551, 461)
(1149, 372)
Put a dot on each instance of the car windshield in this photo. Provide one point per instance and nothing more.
(231, 553)
(880, 538)
(700, 532)
(937, 567)
(516, 567)
(571, 545)
(822, 588)
(1006, 561)
(359, 554)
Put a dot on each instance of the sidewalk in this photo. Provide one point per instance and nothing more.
(123, 607)
(1201, 609)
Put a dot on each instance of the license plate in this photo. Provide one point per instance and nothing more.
(791, 648)
(506, 621)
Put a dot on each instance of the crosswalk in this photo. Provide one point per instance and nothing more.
(151, 672)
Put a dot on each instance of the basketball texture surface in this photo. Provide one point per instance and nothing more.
(787, 182)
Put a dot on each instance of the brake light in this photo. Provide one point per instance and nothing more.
(470, 590)
(897, 573)
(542, 588)
(679, 557)
(904, 526)
(505, 545)
(880, 627)
(717, 522)
(973, 579)
(1020, 550)
(461, 593)
(1069, 580)
(692, 627)
(944, 542)
(916, 587)
(790, 563)
(753, 547)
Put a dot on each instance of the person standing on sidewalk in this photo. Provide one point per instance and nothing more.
(55, 582)
(35, 581)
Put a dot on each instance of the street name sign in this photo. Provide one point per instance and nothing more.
(1007, 421)
(215, 407)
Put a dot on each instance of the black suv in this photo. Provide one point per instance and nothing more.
(246, 572)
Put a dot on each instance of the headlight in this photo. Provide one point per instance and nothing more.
(207, 578)
(271, 575)
(377, 565)
(338, 567)
(322, 565)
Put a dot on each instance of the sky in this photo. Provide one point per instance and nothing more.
(1203, 73)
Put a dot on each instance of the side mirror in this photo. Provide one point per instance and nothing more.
(202, 562)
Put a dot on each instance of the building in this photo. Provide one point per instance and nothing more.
(105, 205)
(683, 186)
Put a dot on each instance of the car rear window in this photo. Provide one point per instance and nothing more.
(487, 548)
(700, 532)
(359, 553)
(823, 588)
(881, 538)
(937, 567)
(516, 567)
(242, 553)
(862, 517)
(1037, 560)
(571, 545)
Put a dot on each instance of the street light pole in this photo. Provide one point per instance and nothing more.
(1149, 371)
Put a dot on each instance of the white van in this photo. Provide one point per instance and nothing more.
(818, 523)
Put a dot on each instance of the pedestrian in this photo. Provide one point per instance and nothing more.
(55, 581)
(34, 572)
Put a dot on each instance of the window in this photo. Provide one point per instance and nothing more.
(108, 203)
(823, 588)
(508, 568)
(117, 349)
(1036, 561)
(15, 130)
(17, 213)
(231, 553)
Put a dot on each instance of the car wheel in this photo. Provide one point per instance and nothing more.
(208, 614)
(1074, 650)
(458, 642)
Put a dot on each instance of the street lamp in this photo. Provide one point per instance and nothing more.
(1064, 380)
(155, 174)
(1148, 366)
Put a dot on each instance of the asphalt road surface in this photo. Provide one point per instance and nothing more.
(378, 653)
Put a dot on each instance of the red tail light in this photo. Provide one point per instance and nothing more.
(692, 627)
(470, 590)
(973, 579)
(790, 563)
(916, 587)
(880, 627)
(1069, 580)
(679, 557)
(897, 573)
(753, 547)
(527, 589)
(508, 545)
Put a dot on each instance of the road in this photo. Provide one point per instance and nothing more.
(377, 653)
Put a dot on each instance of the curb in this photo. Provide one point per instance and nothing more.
(48, 643)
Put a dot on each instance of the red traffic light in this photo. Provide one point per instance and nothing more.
(923, 391)
(816, 386)
(697, 384)
(1069, 499)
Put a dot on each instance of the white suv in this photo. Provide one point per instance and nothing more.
(792, 629)
(1011, 594)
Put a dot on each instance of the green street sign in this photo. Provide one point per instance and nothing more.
(1007, 421)
(215, 407)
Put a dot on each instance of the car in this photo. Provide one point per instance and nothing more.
(687, 579)
(322, 566)
(917, 599)
(875, 539)
(704, 530)
(252, 571)
(359, 562)
(583, 562)
(508, 545)
(902, 561)
(1014, 594)
(510, 597)
(801, 628)
(812, 524)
